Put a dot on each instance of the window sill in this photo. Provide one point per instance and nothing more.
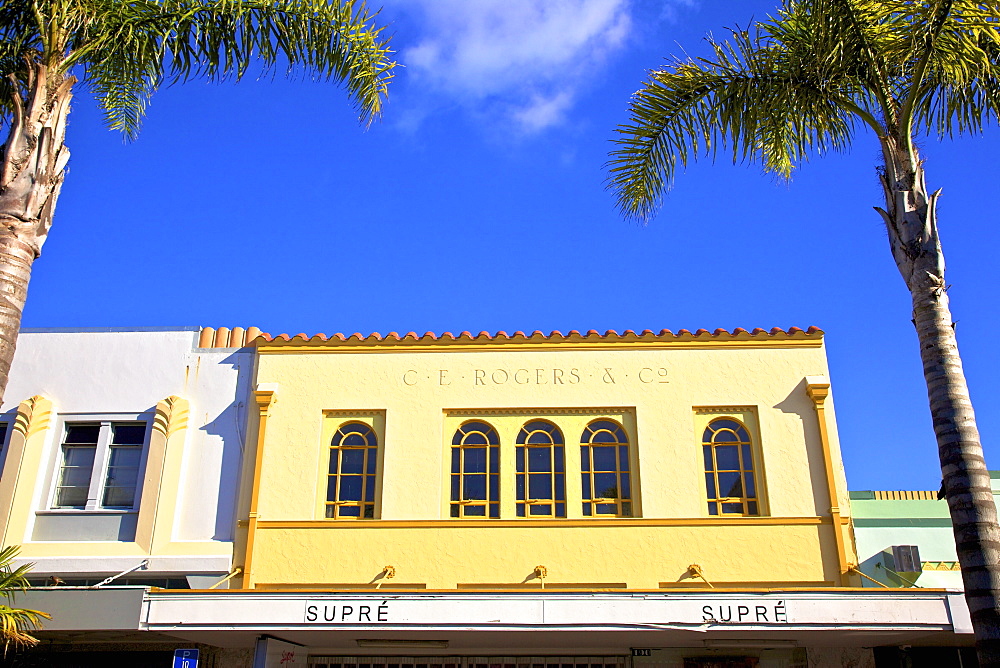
(83, 511)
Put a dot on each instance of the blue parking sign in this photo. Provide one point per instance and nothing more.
(185, 658)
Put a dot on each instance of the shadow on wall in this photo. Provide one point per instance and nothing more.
(230, 425)
(799, 403)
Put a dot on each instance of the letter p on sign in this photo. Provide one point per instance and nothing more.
(185, 658)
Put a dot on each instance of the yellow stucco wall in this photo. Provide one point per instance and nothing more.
(664, 394)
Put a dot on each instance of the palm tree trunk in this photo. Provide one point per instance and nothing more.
(911, 221)
(34, 164)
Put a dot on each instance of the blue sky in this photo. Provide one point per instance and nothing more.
(477, 203)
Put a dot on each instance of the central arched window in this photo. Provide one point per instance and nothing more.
(604, 460)
(729, 470)
(541, 475)
(475, 471)
(350, 486)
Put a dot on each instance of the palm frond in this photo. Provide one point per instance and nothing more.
(129, 48)
(16, 623)
(748, 99)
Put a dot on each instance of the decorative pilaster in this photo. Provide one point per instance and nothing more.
(161, 480)
(264, 396)
(818, 390)
(22, 467)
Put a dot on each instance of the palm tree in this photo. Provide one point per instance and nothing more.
(121, 51)
(15, 623)
(807, 81)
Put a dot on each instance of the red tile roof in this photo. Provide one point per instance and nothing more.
(238, 337)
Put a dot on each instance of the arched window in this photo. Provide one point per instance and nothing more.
(350, 486)
(541, 475)
(729, 470)
(475, 471)
(604, 460)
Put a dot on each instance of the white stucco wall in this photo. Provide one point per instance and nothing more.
(107, 372)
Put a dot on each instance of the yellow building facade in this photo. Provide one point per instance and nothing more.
(493, 416)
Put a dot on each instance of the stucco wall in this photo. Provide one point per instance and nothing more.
(128, 372)
(419, 395)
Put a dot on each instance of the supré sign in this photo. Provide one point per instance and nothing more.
(376, 612)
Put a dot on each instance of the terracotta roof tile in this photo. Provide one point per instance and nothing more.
(238, 337)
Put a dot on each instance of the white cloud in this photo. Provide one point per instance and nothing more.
(526, 57)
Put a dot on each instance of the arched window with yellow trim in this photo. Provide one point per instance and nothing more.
(475, 471)
(604, 460)
(350, 487)
(729, 470)
(541, 471)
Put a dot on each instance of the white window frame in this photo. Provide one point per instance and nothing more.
(102, 457)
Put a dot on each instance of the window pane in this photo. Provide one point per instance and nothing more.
(557, 455)
(586, 487)
(519, 457)
(349, 511)
(494, 510)
(607, 509)
(352, 460)
(494, 487)
(475, 438)
(727, 457)
(494, 459)
(603, 437)
(119, 497)
(748, 485)
(736, 508)
(369, 511)
(539, 460)
(710, 485)
(475, 460)
(475, 511)
(539, 437)
(520, 510)
(82, 433)
(456, 454)
(747, 457)
(606, 485)
(123, 472)
(585, 458)
(331, 488)
(540, 486)
(752, 508)
(725, 436)
(350, 488)
(730, 485)
(725, 424)
(455, 482)
(369, 487)
(71, 497)
(354, 439)
(541, 509)
(560, 510)
(626, 509)
(128, 434)
(560, 487)
(474, 487)
(520, 487)
(125, 457)
(372, 461)
(74, 476)
(623, 457)
(626, 485)
(586, 509)
(713, 508)
(604, 459)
